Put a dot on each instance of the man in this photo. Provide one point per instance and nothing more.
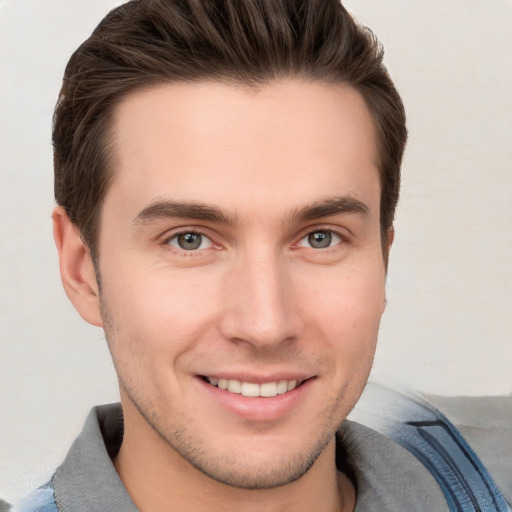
(227, 175)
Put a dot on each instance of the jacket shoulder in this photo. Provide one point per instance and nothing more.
(40, 500)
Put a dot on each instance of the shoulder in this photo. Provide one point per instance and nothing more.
(386, 475)
(414, 429)
(486, 424)
(40, 500)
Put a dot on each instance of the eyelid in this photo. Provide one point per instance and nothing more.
(172, 234)
(204, 241)
(342, 233)
(336, 240)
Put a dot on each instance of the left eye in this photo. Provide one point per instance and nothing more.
(322, 239)
(190, 241)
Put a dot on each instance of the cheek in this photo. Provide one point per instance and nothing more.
(350, 301)
(157, 311)
(345, 312)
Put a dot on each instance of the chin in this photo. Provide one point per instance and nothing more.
(253, 472)
(247, 466)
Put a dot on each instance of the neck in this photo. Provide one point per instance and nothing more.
(146, 461)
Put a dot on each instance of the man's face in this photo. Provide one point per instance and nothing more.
(240, 247)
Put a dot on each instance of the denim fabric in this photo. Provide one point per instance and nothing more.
(40, 500)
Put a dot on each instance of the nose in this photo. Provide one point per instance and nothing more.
(259, 306)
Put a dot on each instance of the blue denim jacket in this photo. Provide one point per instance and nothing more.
(40, 500)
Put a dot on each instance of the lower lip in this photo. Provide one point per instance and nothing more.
(258, 409)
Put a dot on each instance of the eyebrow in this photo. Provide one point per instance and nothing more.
(329, 207)
(166, 209)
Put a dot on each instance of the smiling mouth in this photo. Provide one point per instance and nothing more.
(252, 389)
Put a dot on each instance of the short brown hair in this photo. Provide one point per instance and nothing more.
(252, 42)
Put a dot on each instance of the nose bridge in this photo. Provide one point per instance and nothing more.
(259, 300)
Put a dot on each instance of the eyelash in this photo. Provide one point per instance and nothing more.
(196, 252)
(184, 252)
(321, 229)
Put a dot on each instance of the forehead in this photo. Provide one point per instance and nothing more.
(281, 143)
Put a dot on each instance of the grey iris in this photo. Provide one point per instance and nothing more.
(320, 239)
(189, 241)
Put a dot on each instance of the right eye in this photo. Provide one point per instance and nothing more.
(190, 241)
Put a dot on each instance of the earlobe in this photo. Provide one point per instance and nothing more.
(76, 268)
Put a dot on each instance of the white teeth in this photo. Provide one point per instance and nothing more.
(252, 389)
(282, 387)
(268, 389)
(234, 386)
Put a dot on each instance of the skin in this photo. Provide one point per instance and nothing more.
(255, 301)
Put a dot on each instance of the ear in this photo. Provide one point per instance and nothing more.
(390, 238)
(76, 268)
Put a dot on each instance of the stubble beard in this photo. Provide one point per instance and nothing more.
(243, 471)
(235, 471)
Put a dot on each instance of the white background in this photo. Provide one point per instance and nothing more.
(448, 324)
